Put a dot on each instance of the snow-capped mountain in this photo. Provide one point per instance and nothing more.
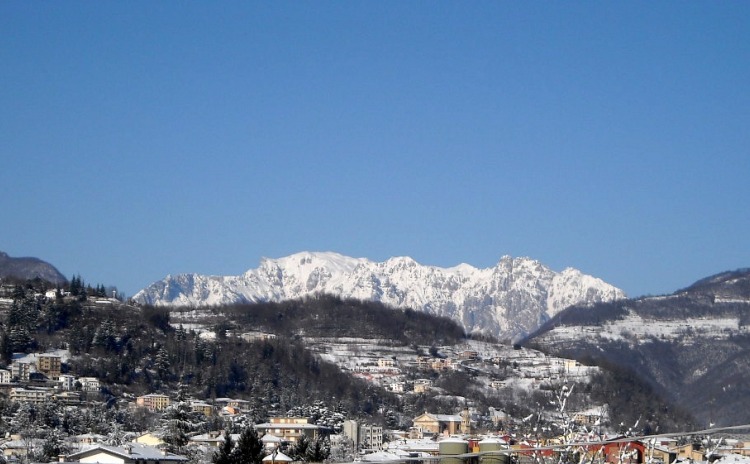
(509, 300)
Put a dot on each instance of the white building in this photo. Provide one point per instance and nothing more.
(67, 381)
(89, 384)
(371, 437)
(21, 370)
(132, 453)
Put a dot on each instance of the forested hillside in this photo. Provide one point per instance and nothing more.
(330, 316)
(135, 350)
(692, 347)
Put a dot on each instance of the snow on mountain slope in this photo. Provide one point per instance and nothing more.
(509, 300)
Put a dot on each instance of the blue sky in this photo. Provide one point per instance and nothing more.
(141, 139)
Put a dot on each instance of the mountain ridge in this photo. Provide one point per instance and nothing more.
(692, 345)
(28, 268)
(508, 300)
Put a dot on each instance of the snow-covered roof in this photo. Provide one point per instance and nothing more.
(131, 452)
(277, 457)
(380, 456)
(447, 417)
(208, 437)
(269, 425)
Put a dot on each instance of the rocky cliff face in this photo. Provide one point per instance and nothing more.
(508, 301)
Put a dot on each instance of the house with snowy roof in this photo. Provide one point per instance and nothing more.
(213, 439)
(17, 448)
(277, 457)
(202, 407)
(150, 439)
(437, 424)
(132, 453)
(290, 429)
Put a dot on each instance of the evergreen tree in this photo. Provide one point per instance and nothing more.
(319, 450)
(226, 451)
(299, 452)
(249, 449)
(178, 422)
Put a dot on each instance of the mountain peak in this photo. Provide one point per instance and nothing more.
(506, 301)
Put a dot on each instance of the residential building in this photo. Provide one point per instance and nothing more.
(371, 437)
(24, 395)
(20, 371)
(363, 436)
(202, 407)
(589, 417)
(67, 382)
(386, 363)
(270, 443)
(421, 388)
(497, 416)
(257, 336)
(350, 429)
(233, 403)
(213, 439)
(49, 365)
(17, 449)
(89, 384)
(436, 424)
(661, 454)
(5, 376)
(89, 438)
(153, 401)
(396, 387)
(150, 439)
(70, 398)
(290, 429)
(133, 453)
(436, 364)
(689, 452)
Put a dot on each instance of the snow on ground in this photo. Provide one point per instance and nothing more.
(636, 329)
(733, 459)
(32, 357)
(385, 364)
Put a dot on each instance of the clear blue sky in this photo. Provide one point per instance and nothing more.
(139, 139)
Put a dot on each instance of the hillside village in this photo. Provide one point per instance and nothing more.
(36, 379)
(41, 391)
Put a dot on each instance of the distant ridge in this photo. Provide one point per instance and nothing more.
(29, 268)
(692, 345)
(509, 300)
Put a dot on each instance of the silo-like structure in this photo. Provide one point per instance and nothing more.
(452, 447)
(493, 446)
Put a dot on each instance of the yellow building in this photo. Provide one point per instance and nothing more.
(153, 401)
(437, 424)
(49, 365)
